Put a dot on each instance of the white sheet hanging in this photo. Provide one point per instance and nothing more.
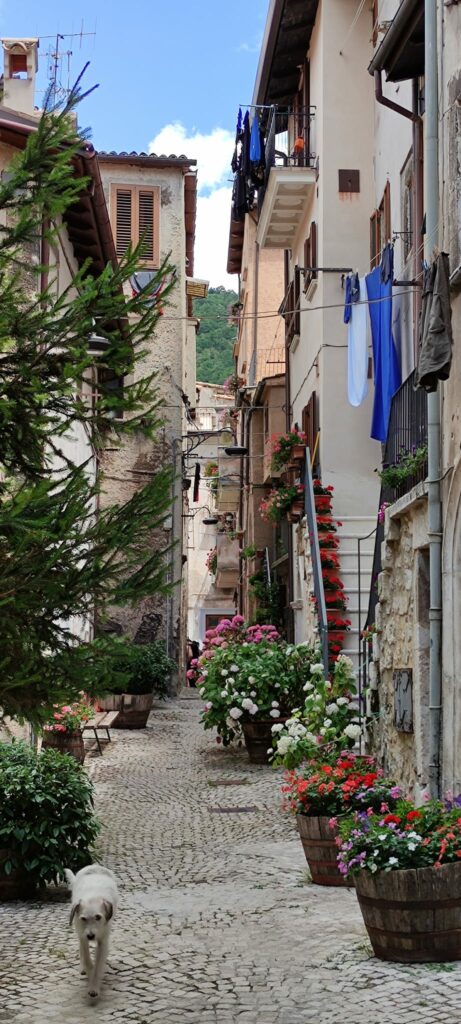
(357, 348)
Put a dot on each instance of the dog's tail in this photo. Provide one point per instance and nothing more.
(70, 877)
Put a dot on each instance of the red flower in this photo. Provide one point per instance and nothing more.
(392, 818)
(412, 815)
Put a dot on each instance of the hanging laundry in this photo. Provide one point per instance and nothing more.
(386, 369)
(255, 141)
(387, 263)
(355, 287)
(357, 347)
(347, 299)
(435, 333)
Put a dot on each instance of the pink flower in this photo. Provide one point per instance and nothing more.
(332, 822)
(190, 673)
(57, 715)
(66, 710)
(238, 620)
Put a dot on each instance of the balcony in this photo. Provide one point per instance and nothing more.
(228, 562)
(290, 178)
(228, 493)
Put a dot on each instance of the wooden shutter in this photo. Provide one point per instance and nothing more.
(374, 238)
(310, 423)
(375, 16)
(310, 256)
(386, 204)
(136, 219)
(123, 220)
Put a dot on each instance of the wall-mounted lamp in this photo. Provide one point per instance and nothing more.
(236, 450)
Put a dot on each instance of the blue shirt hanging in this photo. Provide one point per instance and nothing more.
(387, 375)
(255, 141)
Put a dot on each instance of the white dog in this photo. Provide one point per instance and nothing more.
(94, 902)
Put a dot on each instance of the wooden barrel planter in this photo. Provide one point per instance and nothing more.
(258, 740)
(134, 709)
(413, 916)
(320, 850)
(70, 742)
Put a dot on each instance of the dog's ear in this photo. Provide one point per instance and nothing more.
(73, 911)
(108, 909)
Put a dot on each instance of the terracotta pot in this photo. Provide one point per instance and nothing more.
(413, 915)
(297, 453)
(320, 849)
(70, 742)
(133, 708)
(18, 885)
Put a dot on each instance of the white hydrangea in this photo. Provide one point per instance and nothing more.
(275, 713)
(278, 727)
(307, 687)
(317, 669)
(223, 693)
(331, 709)
(353, 705)
(284, 744)
(204, 671)
(247, 703)
(251, 680)
(224, 672)
(347, 662)
(234, 668)
(341, 701)
(327, 723)
(275, 703)
(353, 731)
(236, 713)
(252, 692)
(254, 708)
(208, 705)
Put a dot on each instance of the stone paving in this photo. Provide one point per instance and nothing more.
(218, 921)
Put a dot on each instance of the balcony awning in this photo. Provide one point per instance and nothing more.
(401, 52)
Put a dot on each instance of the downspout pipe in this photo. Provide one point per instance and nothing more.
(433, 409)
(385, 102)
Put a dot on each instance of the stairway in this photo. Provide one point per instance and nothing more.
(353, 528)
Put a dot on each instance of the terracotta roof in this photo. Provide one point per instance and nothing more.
(151, 159)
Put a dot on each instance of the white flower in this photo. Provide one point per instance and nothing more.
(270, 750)
(224, 672)
(236, 713)
(252, 692)
(327, 723)
(373, 867)
(275, 713)
(275, 703)
(344, 660)
(393, 860)
(353, 705)
(353, 731)
(251, 679)
(327, 685)
(311, 737)
(412, 846)
(247, 703)
(234, 668)
(208, 705)
(383, 836)
(201, 691)
(284, 744)
(331, 709)
(322, 732)
(254, 708)
(223, 693)
(245, 643)
(307, 687)
(341, 701)
(276, 686)
(414, 835)
(317, 669)
(278, 727)
(204, 671)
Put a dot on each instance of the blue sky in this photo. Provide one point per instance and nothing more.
(171, 73)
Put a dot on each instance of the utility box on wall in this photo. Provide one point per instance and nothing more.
(403, 699)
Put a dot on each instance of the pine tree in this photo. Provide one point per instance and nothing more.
(57, 558)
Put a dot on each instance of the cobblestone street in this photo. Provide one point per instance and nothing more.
(218, 921)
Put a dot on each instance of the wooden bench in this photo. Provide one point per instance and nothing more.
(102, 720)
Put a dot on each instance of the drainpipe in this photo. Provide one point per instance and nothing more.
(433, 409)
(288, 413)
(385, 102)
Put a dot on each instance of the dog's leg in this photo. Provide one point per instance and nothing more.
(96, 976)
(86, 963)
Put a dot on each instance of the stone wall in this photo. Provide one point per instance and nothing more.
(402, 620)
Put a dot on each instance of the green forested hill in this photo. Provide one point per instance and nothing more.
(216, 337)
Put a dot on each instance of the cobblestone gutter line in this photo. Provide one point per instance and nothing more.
(217, 922)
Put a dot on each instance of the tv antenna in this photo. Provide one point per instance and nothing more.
(59, 58)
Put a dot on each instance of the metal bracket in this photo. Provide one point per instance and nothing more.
(324, 270)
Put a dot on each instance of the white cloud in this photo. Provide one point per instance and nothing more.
(212, 238)
(213, 152)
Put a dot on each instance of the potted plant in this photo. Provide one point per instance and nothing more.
(212, 561)
(249, 685)
(320, 793)
(143, 672)
(288, 448)
(64, 732)
(405, 863)
(211, 474)
(275, 507)
(47, 821)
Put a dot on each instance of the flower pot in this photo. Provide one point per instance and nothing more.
(258, 739)
(296, 511)
(297, 453)
(69, 742)
(133, 708)
(320, 849)
(413, 915)
(18, 885)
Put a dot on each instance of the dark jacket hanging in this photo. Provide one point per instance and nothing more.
(196, 481)
(435, 330)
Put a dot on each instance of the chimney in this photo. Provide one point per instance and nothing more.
(20, 65)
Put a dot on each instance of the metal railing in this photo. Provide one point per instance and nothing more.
(319, 593)
(407, 432)
(287, 141)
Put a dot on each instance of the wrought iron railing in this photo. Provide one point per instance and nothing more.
(407, 433)
(319, 593)
(288, 141)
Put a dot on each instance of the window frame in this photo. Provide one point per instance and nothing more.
(135, 191)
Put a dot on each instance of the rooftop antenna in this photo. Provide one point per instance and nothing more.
(57, 92)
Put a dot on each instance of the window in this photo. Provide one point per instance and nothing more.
(380, 227)
(135, 214)
(310, 256)
(290, 308)
(310, 426)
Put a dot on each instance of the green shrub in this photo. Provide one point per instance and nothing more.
(46, 813)
(141, 668)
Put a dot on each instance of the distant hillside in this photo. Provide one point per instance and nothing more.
(216, 338)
